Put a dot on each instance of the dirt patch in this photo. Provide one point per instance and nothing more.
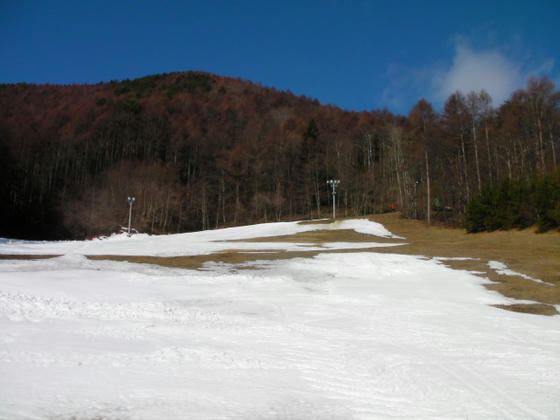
(531, 308)
(231, 256)
(520, 288)
(322, 236)
(317, 222)
(26, 257)
(196, 262)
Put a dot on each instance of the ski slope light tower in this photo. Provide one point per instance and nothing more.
(131, 201)
(333, 183)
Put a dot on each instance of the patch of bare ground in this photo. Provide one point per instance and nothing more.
(316, 222)
(229, 256)
(196, 262)
(323, 236)
(531, 308)
(26, 257)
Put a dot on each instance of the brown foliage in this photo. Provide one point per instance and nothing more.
(200, 151)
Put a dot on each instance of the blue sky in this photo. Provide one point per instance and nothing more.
(358, 55)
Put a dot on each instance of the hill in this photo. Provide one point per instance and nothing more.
(200, 151)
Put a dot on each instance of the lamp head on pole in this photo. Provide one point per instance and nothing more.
(333, 183)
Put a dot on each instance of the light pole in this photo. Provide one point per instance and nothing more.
(333, 183)
(131, 201)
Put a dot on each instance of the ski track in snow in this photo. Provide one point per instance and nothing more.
(337, 336)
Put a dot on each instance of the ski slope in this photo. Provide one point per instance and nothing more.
(354, 335)
(199, 243)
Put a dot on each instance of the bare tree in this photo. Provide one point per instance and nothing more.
(455, 119)
(473, 103)
(486, 112)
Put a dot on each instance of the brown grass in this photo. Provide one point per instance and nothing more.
(322, 236)
(228, 256)
(531, 308)
(196, 262)
(26, 257)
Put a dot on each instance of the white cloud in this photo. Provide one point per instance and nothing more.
(475, 70)
(498, 69)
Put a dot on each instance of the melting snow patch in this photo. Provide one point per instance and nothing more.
(503, 269)
(364, 226)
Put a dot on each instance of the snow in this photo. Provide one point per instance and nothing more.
(353, 335)
(194, 243)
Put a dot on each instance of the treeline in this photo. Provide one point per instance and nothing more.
(200, 151)
(516, 204)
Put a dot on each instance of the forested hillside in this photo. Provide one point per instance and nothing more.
(200, 151)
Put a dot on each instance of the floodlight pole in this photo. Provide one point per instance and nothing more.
(131, 201)
(333, 183)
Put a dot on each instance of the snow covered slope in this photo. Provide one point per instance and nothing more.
(338, 336)
(196, 243)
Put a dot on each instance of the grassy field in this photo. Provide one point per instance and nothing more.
(526, 252)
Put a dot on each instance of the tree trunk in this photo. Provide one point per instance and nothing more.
(428, 205)
(204, 209)
(553, 150)
(476, 158)
(540, 146)
(465, 166)
(488, 150)
(237, 204)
